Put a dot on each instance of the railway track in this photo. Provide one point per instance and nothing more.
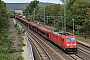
(42, 53)
(42, 56)
(84, 49)
(75, 57)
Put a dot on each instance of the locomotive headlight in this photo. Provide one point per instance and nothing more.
(74, 44)
(68, 44)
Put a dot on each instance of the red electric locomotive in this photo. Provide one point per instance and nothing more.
(66, 41)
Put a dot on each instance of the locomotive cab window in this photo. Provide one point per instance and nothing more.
(70, 39)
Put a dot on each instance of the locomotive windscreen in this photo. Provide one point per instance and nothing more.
(70, 39)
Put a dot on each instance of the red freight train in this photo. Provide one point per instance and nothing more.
(66, 41)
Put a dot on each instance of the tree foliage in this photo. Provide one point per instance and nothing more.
(52, 11)
(29, 9)
(79, 11)
(75, 9)
(3, 15)
(6, 43)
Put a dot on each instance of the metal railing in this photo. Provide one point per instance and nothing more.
(30, 46)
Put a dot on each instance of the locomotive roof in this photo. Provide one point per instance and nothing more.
(57, 32)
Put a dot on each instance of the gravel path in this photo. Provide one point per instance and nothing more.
(13, 32)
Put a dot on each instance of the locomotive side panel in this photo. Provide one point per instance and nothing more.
(57, 39)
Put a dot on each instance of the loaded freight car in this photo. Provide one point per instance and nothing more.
(44, 32)
(66, 41)
(25, 22)
(33, 26)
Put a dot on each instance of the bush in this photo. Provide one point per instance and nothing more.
(12, 50)
(21, 50)
(21, 44)
(20, 58)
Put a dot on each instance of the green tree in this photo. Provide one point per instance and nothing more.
(3, 15)
(51, 10)
(76, 9)
(29, 9)
(11, 14)
(79, 11)
(5, 42)
(54, 10)
(69, 13)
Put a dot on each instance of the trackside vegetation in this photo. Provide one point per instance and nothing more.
(6, 44)
(7, 49)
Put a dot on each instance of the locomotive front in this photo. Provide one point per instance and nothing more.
(71, 43)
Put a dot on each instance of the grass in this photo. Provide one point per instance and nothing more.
(87, 40)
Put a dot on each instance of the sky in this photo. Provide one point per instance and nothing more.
(25, 1)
